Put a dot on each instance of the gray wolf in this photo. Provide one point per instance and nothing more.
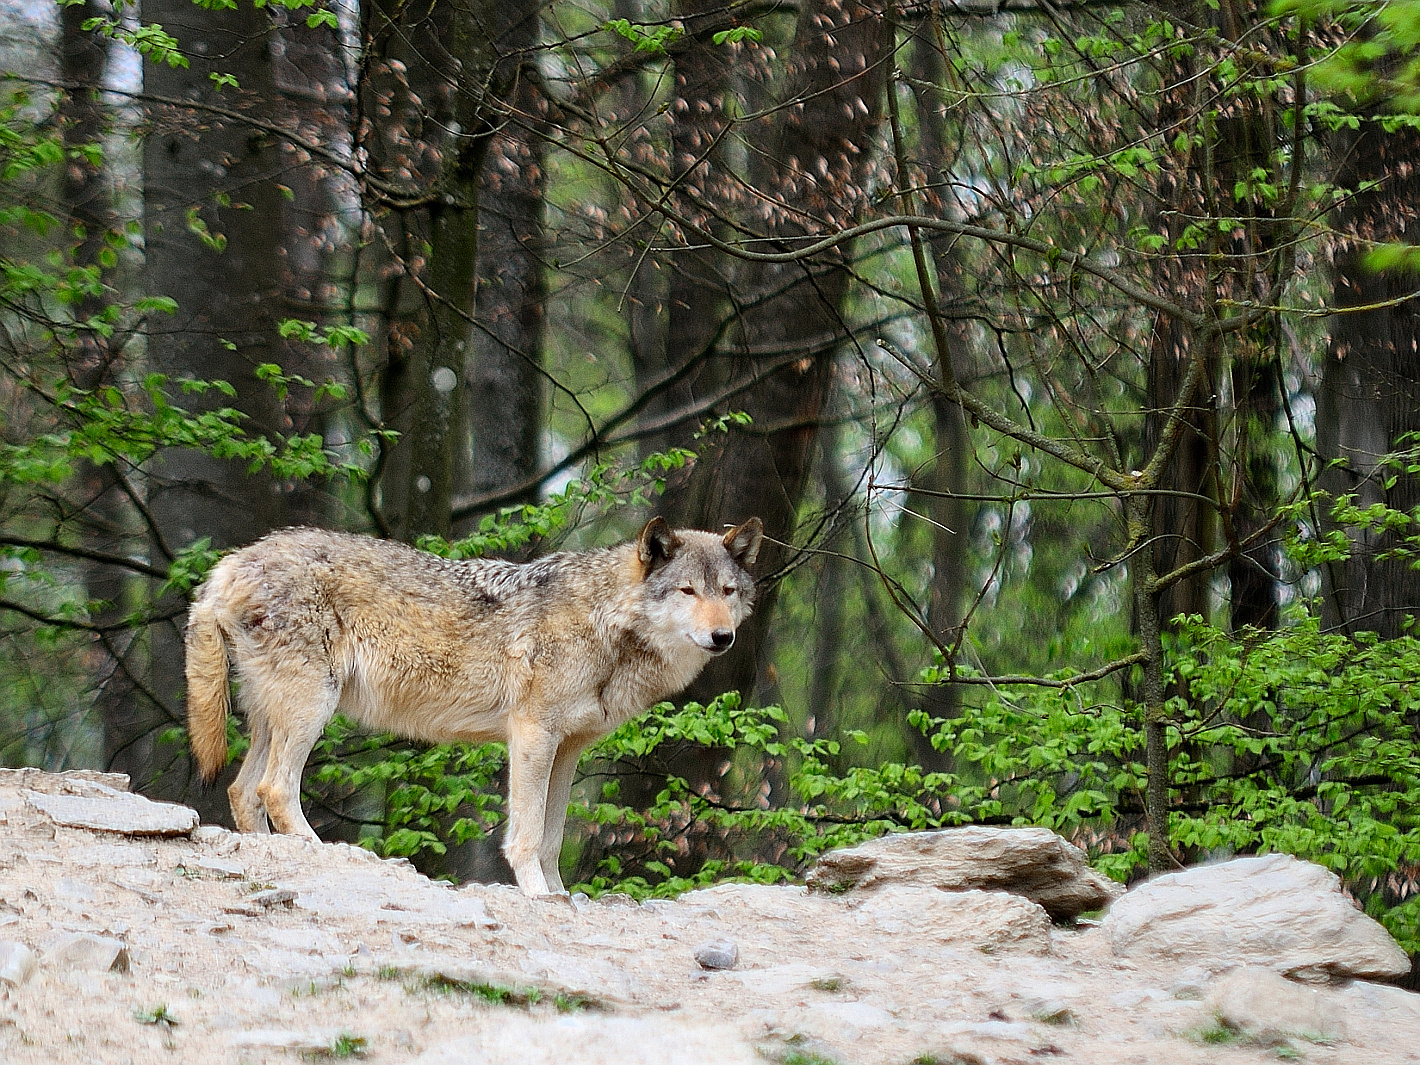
(547, 656)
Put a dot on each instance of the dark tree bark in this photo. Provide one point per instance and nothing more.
(222, 180)
(815, 169)
(503, 398)
(101, 511)
(949, 514)
(698, 288)
(432, 99)
(1257, 398)
(1370, 387)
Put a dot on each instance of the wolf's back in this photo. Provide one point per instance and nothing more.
(208, 692)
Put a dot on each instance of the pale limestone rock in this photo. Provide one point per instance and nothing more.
(594, 1039)
(584, 977)
(106, 809)
(987, 921)
(83, 952)
(70, 782)
(1268, 1008)
(1275, 911)
(113, 856)
(780, 980)
(1382, 1008)
(1031, 862)
(17, 962)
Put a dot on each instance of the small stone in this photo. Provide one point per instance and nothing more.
(261, 902)
(617, 898)
(74, 890)
(718, 954)
(310, 1042)
(84, 952)
(17, 962)
(277, 896)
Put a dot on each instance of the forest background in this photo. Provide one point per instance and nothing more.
(1069, 350)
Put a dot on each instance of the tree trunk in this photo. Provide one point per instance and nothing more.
(215, 222)
(1370, 388)
(503, 398)
(102, 513)
(816, 167)
(947, 480)
(430, 98)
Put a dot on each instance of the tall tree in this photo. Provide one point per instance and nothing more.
(101, 510)
(217, 222)
(503, 395)
(434, 91)
(811, 170)
(1370, 386)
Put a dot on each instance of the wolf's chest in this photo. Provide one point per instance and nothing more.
(643, 678)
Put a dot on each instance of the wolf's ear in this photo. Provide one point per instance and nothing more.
(657, 544)
(743, 542)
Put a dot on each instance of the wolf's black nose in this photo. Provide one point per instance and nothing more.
(722, 638)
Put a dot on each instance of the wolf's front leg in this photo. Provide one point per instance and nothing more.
(559, 791)
(531, 752)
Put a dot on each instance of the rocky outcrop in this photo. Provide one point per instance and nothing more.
(1273, 911)
(223, 949)
(1034, 863)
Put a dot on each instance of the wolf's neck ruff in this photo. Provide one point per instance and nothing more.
(546, 656)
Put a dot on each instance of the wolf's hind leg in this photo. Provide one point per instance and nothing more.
(247, 811)
(298, 715)
(531, 753)
(554, 822)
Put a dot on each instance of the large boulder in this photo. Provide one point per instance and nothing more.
(1273, 911)
(1031, 862)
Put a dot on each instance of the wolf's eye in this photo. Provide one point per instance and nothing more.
(688, 590)
(730, 589)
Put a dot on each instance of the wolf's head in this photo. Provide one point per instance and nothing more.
(697, 584)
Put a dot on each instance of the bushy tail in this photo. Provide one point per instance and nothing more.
(209, 695)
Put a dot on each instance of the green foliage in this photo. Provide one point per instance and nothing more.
(653, 39)
(606, 487)
(429, 796)
(1379, 61)
(348, 1045)
(158, 1015)
(738, 34)
(492, 994)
